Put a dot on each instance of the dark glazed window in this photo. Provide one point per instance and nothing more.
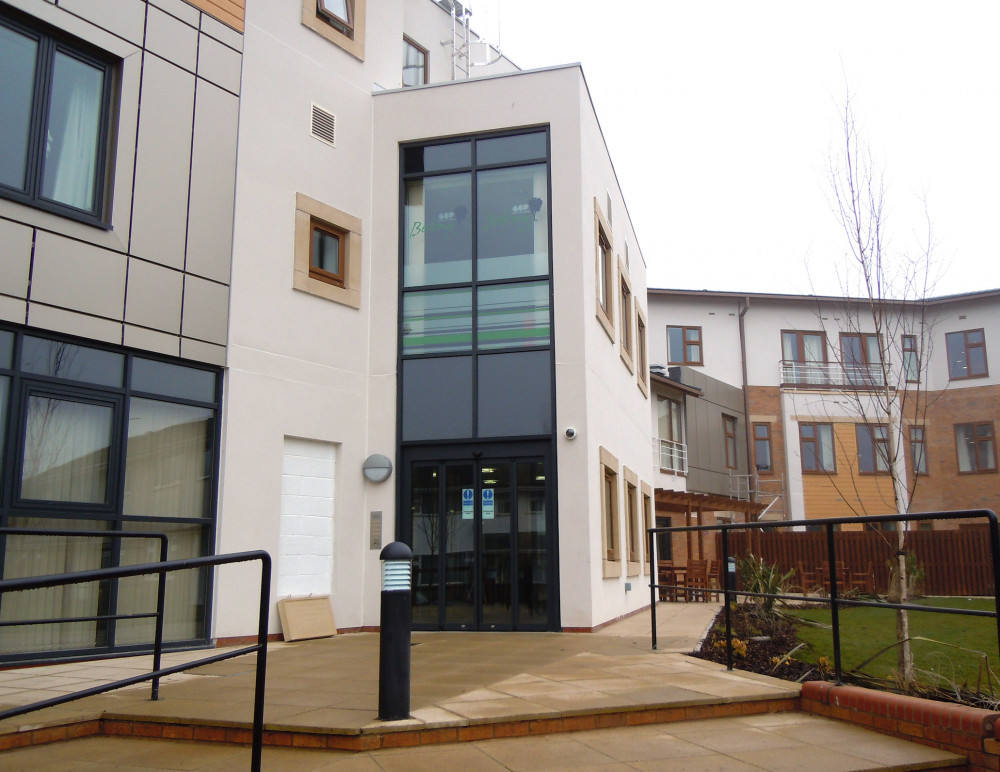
(54, 113)
(966, 354)
(327, 249)
(816, 447)
(918, 450)
(762, 447)
(911, 359)
(475, 270)
(512, 223)
(976, 447)
(729, 427)
(67, 447)
(414, 63)
(437, 245)
(170, 380)
(518, 147)
(67, 361)
(684, 346)
(435, 158)
(515, 394)
(437, 400)
(873, 448)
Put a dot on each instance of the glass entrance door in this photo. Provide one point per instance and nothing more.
(480, 539)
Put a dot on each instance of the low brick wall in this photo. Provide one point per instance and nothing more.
(971, 732)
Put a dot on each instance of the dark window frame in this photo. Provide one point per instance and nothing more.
(820, 467)
(978, 444)
(876, 440)
(322, 274)
(627, 302)
(605, 264)
(425, 67)
(965, 348)
(766, 441)
(917, 439)
(641, 359)
(911, 359)
(800, 345)
(50, 42)
(609, 514)
(730, 426)
(685, 342)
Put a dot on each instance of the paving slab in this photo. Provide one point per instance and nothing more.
(514, 682)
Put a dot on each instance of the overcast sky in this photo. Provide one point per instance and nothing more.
(722, 117)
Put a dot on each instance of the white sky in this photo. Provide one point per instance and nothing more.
(721, 118)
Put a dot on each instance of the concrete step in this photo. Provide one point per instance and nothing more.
(766, 741)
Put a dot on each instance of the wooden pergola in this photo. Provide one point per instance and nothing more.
(696, 504)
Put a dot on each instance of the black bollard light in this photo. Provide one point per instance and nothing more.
(394, 638)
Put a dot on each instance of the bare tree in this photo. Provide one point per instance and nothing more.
(884, 329)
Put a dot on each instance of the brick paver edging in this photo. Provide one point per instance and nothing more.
(971, 732)
(391, 737)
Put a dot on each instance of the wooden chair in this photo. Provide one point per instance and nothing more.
(863, 581)
(843, 576)
(696, 580)
(715, 578)
(809, 580)
(667, 575)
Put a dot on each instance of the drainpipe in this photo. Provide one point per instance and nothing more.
(744, 307)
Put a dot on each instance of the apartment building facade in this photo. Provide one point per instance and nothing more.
(322, 275)
(118, 126)
(813, 375)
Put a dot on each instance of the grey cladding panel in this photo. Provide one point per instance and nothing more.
(213, 181)
(162, 164)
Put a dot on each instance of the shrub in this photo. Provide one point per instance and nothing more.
(757, 575)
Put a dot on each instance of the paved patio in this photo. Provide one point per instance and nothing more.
(519, 701)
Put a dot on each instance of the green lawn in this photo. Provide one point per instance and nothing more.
(954, 652)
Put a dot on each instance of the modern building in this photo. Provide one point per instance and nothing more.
(815, 375)
(438, 271)
(118, 125)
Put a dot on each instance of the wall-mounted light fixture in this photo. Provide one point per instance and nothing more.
(377, 468)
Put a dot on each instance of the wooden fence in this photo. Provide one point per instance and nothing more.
(956, 562)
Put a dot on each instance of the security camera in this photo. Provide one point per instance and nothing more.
(570, 433)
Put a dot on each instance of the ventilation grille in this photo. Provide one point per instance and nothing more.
(324, 125)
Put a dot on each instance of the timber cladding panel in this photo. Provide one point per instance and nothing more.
(847, 491)
(231, 12)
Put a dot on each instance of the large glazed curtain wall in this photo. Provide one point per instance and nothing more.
(71, 142)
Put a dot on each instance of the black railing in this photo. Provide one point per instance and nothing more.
(835, 601)
(162, 569)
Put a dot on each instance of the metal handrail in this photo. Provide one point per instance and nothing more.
(834, 600)
(161, 569)
(831, 374)
(670, 456)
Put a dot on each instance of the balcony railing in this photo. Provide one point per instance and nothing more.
(831, 375)
(671, 456)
